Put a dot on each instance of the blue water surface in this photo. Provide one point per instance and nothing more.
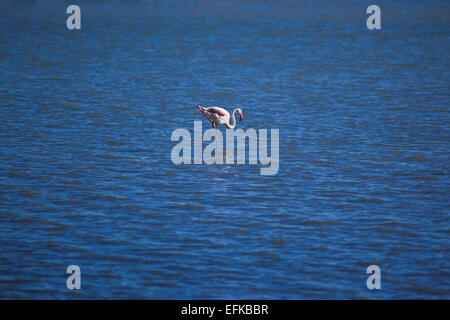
(86, 175)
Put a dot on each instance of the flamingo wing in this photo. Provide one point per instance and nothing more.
(218, 112)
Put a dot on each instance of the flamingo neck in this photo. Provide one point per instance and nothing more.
(234, 121)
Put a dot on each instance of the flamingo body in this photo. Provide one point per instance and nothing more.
(219, 116)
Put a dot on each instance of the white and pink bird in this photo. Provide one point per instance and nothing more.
(218, 116)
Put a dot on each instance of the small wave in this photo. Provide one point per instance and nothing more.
(322, 222)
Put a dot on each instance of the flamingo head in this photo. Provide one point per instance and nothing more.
(241, 115)
(199, 106)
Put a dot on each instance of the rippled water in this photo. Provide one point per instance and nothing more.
(86, 176)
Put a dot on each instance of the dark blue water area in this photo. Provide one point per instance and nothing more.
(86, 176)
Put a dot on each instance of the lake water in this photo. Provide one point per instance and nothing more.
(86, 176)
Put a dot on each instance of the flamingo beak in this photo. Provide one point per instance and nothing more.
(241, 116)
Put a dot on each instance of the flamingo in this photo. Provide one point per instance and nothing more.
(219, 116)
